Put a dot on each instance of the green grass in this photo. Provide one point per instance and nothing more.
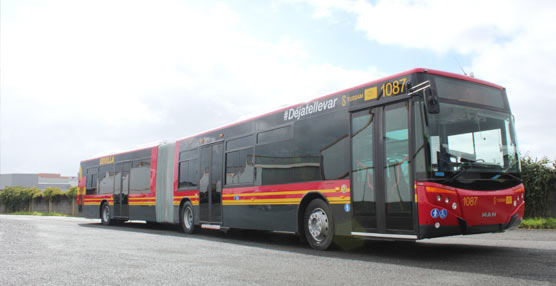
(38, 213)
(538, 223)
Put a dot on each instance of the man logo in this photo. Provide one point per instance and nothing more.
(488, 214)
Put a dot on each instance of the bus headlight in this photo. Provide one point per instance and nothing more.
(438, 197)
(454, 205)
(447, 200)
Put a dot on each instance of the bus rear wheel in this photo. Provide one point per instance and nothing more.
(318, 224)
(105, 214)
(186, 218)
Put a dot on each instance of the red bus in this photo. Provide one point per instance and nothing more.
(415, 155)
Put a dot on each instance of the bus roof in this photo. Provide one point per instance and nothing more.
(411, 71)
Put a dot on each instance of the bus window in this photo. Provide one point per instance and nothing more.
(188, 173)
(106, 179)
(281, 133)
(239, 166)
(91, 187)
(140, 176)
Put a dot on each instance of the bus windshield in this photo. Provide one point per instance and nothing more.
(466, 139)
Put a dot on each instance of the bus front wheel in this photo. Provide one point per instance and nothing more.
(186, 218)
(318, 224)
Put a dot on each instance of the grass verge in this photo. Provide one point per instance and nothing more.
(38, 213)
(538, 223)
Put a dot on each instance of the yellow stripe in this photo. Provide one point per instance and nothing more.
(96, 203)
(195, 203)
(142, 203)
(340, 202)
(281, 193)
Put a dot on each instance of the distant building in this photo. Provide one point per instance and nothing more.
(41, 181)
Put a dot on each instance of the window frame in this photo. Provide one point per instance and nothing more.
(252, 144)
(290, 134)
(188, 159)
(144, 191)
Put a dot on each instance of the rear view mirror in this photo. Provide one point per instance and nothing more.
(431, 101)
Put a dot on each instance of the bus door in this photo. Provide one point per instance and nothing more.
(382, 195)
(121, 189)
(210, 184)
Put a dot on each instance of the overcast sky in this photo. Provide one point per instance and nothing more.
(78, 78)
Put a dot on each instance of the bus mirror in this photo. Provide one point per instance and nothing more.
(431, 101)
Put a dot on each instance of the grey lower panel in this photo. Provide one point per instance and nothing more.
(91, 211)
(147, 213)
(261, 217)
(342, 219)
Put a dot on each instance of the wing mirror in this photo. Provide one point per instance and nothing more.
(431, 101)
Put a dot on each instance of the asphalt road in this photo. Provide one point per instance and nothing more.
(58, 251)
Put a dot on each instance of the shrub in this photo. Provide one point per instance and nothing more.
(53, 193)
(539, 178)
(71, 193)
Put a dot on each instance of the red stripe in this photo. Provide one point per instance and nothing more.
(320, 185)
(186, 193)
(462, 77)
(125, 152)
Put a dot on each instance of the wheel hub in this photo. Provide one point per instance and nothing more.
(318, 224)
(188, 217)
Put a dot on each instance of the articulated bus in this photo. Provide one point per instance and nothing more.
(419, 154)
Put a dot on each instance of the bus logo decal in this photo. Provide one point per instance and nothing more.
(301, 111)
(347, 208)
(488, 214)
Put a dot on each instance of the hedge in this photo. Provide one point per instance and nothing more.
(539, 178)
(17, 198)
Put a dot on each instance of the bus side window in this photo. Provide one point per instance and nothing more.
(140, 176)
(91, 186)
(239, 166)
(188, 174)
(106, 179)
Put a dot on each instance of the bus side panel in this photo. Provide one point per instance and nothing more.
(261, 217)
(275, 207)
(147, 213)
(91, 205)
(142, 206)
(90, 211)
(342, 219)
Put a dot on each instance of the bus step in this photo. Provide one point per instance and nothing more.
(211, 226)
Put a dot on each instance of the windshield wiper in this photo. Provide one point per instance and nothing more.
(498, 174)
(462, 169)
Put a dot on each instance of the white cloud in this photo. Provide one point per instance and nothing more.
(83, 77)
(509, 42)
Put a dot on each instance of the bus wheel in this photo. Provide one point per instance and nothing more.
(186, 218)
(319, 227)
(105, 214)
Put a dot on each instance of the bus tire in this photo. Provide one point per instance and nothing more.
(187, 218)
(105, 214)
(318, 225)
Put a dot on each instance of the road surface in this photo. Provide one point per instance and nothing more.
(59, 250)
